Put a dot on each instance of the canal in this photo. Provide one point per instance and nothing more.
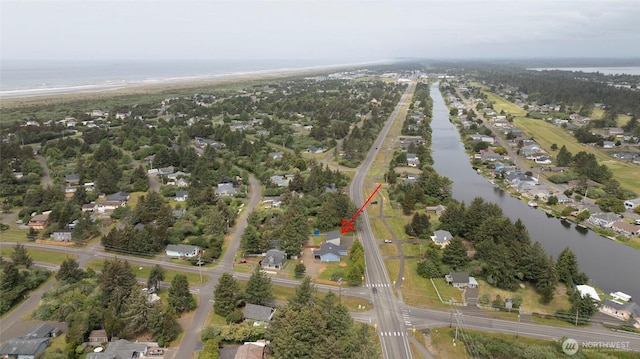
(610, 265)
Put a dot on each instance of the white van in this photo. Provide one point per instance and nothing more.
(637, 222)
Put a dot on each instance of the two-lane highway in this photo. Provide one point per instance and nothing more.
(390, 324)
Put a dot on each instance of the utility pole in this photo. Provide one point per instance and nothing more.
(576, 317)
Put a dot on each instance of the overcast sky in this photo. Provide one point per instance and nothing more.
(328, 30)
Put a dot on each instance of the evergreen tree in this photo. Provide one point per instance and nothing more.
(305, 294)
(179, 297)
(70, 271)
(259, 290)
(155, 277)
(409, 202)
(455, 254)
(567, 269)
(116, 282)
(226, 295)
(20, 256)
(564, 157)
(546, 284)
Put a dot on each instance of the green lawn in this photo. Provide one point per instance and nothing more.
(448, 292)
(412, 249)
(397, 226)
(13, 234)
(417, 290)
(531, 299)
(41, 255)
(378, 228)
(500, 104)
(547, 134)
(144, 271)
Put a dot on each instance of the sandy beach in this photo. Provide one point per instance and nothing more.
(91, 93)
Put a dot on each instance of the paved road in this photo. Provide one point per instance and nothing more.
(390, 323)
(46, 177)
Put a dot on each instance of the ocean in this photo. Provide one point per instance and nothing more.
(39, 77)
(603, 70)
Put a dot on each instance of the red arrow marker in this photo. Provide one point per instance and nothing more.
(348, 226)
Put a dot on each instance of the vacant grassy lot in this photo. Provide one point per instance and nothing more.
(143, 272)
(547, 134)
(13, 234)
(415, 289)
(412, 249)
(448, 292)
(531, 299)
(397, 226)
(500, 104)
(40, 255)
(378, 228)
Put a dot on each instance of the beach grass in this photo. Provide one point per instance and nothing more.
(500, 104)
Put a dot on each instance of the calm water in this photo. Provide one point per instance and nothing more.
(610, 265)
(24, 78)
(602, 70)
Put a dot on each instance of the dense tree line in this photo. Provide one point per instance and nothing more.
(17, 277)
(504, 254)
(312, 327)
(111, 300)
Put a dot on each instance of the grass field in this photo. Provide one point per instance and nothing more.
(13, 234)
(500, 104)
(531, 299)
(397, 226)
(412, 249)
(39, 255)
(417, 290)
(547, 134)
(447, 292)
(378, 228)
(144, 271)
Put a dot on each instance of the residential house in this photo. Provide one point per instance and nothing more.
(274, 259)
(461, 280)
(272, 202)
(166, 170)
(89, 207)
(72, 179)
(181, 196)
(412, 160)
(31, 344)
(281, 181)
(622, 311)
(490, 156)
(119, 196)
(483, 138)
(333, 237)
(437, 209)
(206, 142)
(315, 150)
(441, 237)
(627, 229)
(39, 221)
(330, 252)
(603, 219)
(109, 206)
(615, 131)
(585, 290)
(121, 349)
(62, 235)
(258, 313)
(225, 189)
(251, 350)
(276, 156)
(608, 144)
(98, 336)
(182, 250)
(632, 203)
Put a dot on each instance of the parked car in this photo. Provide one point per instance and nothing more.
(374, 290)
(387, 241)
(156, 352)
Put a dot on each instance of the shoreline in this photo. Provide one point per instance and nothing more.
(31, 97)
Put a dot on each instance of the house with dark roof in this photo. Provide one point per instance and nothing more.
(603, 219)
(72, 178)
(31, 344)
(274, 259)
(461, 280)
(441, 237)
(121, 349)
(225, 189)
(98, 336)
(330, 252)
(181, 196)
(258, 313)
(622, 311)
(182, 250)
(119, 196)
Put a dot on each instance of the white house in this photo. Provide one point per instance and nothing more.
(182, 250)
(585, 290)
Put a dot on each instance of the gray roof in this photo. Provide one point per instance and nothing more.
(73, 177)
(258, 312)
(632, 307)
(274, 257)
(460, 277)
(182, 248)
(20, 346)
(329, 248)
(441, 236)
(333, 235)
(43, 330)
(121, 349)
(120, 196)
